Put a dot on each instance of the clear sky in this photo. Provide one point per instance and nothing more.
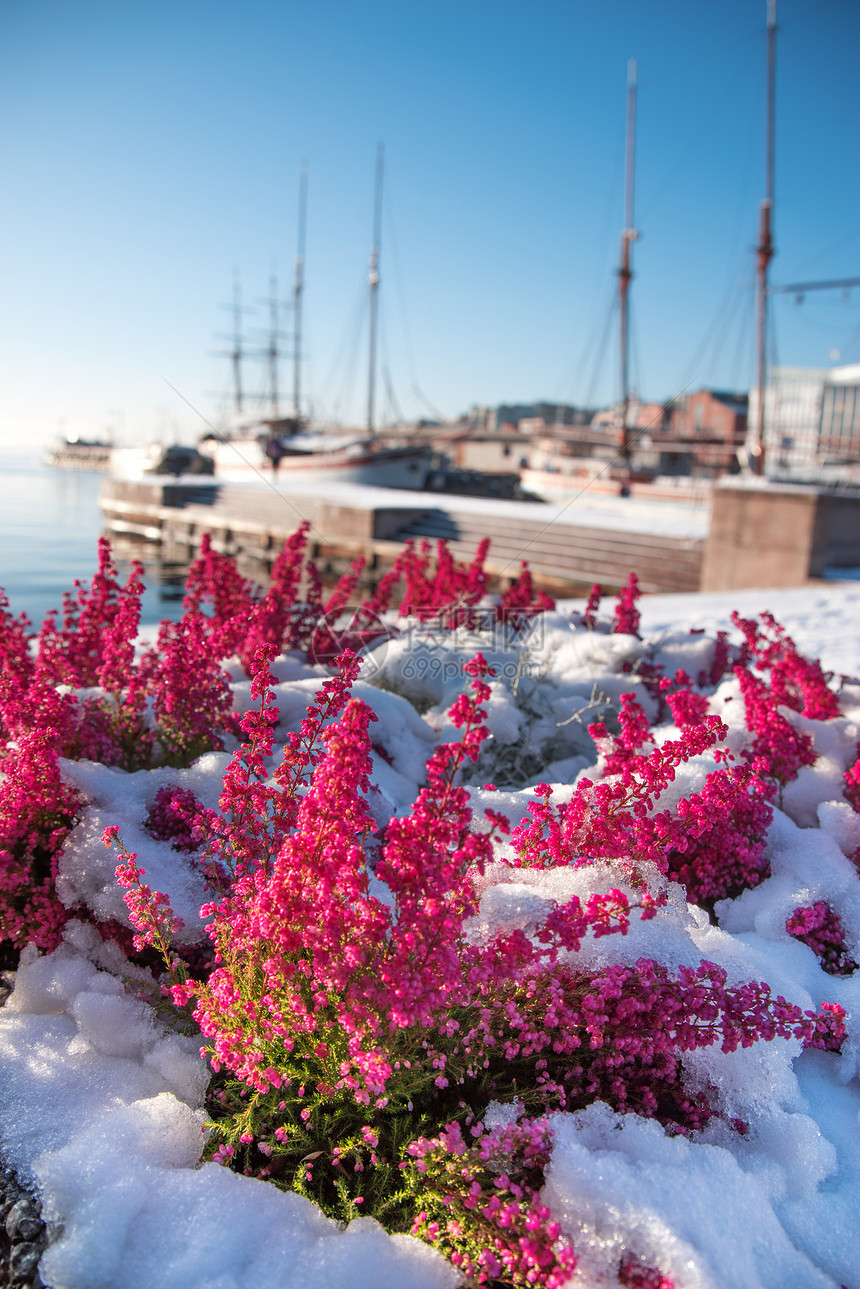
(149, 149)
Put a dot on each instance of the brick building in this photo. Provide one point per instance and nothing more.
(707, 428)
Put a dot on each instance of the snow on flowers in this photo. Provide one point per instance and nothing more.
(380, 955)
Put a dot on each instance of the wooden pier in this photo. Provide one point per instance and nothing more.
(251, 523)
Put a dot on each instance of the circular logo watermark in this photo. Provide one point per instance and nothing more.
(362, 630)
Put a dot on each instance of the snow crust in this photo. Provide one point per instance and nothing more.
(101, 1103)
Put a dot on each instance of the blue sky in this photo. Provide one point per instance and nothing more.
(149, 149)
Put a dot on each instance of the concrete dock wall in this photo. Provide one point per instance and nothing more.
(770, 535)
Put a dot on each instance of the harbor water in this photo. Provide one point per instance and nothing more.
(50, 523)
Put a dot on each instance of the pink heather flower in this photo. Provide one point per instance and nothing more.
(37, 812)
(214, 582)
(626, 613)
(715, 844)
(821, 928)
(178, 817)
(16, 668)
(449, 593)
(191, 696)
(475, 1193)
(720, 663)
(272, 622)
(72, 654)
(520, 601)
(149, 911)
(776, 741)
(323, 988)
(794, 681)
(633, 737)
(636, 1273)
(613, 818)
(688, 707)
(589, 617)
(852, 784)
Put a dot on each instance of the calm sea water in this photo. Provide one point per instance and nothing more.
(50, 523)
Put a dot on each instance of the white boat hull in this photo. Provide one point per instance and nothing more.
(243, 460)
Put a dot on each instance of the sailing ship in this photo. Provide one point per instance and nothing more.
(565, 472)
(622, 456)
(288, 449)
(305, 457)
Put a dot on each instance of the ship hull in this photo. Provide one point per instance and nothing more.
(243, 460)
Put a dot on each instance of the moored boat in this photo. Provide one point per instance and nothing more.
(313, 458)
(79, 454)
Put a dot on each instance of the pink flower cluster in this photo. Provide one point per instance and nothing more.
(326, 996)
(634, 1273)
(821, 928)
(852, 784)
(613, 818)
(301, 911)
(483, 1204)
(94, 652)
(714, 840)
(721, 663)
(149, 911)
(73, 653)
(342, 974)
(718, 847)
(353, 992)
(622, 751)
(80, 693)
(446, 593)
(294, 614)
(481, 1197)
(181, 679)
(190, 692)
(795, 681)
(618, 1035)
(626, 617)
(214, 584)
(16, 667)
(626, 612)
(782, 748)
(37, 811)
(520, 601)
(178, 817)
(785, 679)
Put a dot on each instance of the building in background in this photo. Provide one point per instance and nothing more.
(703, 433)
(812, 424)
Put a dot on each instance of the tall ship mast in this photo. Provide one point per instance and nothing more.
(297, 295)
(625, 271)
(373, 283)
(272, 351)
(765, 249)
(236, 355)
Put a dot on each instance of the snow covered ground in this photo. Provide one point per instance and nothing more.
(670, 518)
(823, 620)
(101, 1106)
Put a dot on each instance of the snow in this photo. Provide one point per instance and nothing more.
(101, 1103)
(822, 619)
